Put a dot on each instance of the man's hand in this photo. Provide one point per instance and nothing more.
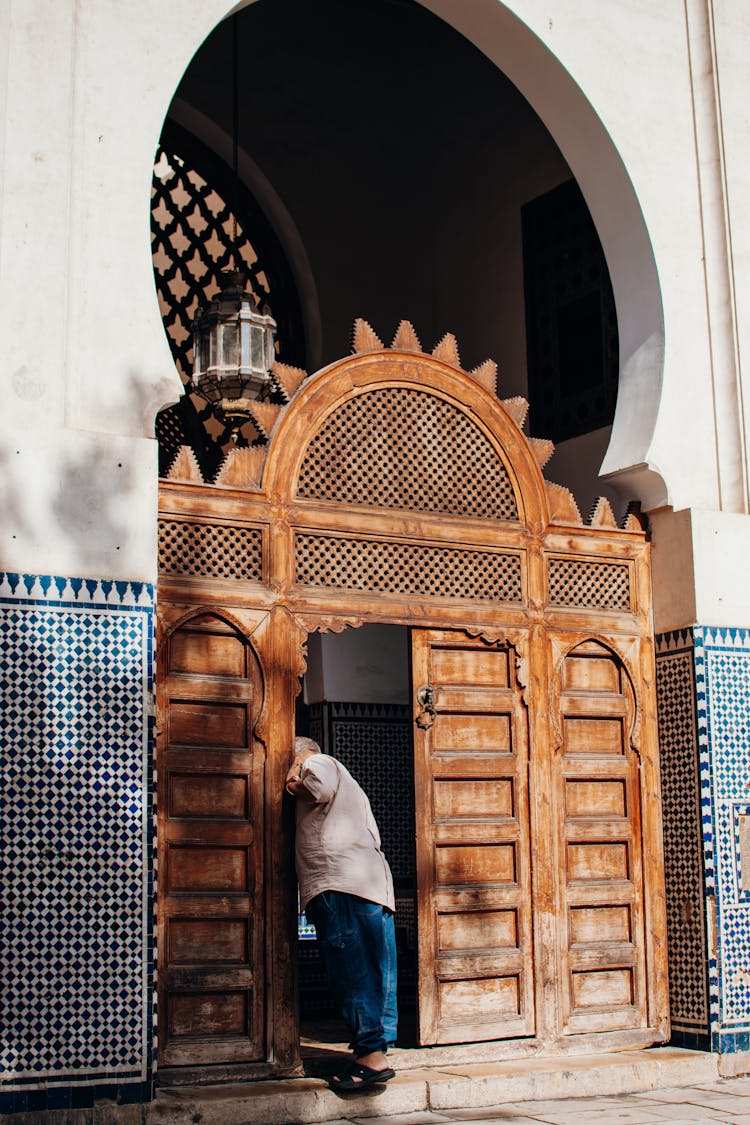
(294, 784)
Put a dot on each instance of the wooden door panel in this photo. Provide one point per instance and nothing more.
(607, 988)
(207, 941)
(472, 730)
(208, 795)
(223, 1013)
(470, 669)
(592, 735)
(598, 779)
(585, 672)
(599, 924)
(590, 861)
(474, 1000)
(462, 798)
(484, 929)
(224, 655)
(210, 835)
(209, 723)
(589, 797)
(481, 863)
(471, 777)
(195, 870)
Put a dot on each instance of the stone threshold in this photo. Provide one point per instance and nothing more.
(450, 1085)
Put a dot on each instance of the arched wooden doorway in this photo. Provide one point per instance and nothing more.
(395, 487)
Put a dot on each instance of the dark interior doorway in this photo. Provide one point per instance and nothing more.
(356, 704)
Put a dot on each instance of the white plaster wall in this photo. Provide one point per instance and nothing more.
(700, 568)
(365, 665)
(732, 33)
(84, 363)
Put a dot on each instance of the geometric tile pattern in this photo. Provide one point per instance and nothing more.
(76, 687)
(722, 663)
(683, 846)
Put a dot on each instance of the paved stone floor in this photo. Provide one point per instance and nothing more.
(727, 1100)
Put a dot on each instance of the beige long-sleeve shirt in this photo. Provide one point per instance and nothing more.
(338, 843)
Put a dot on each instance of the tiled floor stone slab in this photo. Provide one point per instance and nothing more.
(525, 1080)
(740, 1087)
(670, 1111)
(569, 1112)
(426, 1118)
(506, 1112)
(502, 1120)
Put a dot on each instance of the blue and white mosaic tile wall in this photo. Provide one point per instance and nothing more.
(722, 677)
(703, 702)
(683, 838)
(76, 900)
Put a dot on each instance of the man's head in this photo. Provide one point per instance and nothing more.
(304, 747)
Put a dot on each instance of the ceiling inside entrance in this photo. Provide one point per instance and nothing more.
(402, 156)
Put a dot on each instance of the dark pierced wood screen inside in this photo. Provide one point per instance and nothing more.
(203, 223)
(396, 487)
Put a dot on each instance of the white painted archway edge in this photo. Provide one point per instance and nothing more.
(522, 38)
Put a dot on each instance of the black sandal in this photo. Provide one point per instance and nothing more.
(360, 1076)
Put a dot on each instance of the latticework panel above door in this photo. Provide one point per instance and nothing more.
(398, 447)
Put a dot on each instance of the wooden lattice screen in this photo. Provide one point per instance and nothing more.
(404, 448)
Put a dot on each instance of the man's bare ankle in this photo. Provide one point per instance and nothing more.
(376, 1060)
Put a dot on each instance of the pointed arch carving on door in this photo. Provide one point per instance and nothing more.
(621, 651)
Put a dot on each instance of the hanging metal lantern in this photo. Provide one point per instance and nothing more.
(233, 352)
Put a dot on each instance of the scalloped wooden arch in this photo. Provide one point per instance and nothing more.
(297, 396)
(543, 583)
(320, 396)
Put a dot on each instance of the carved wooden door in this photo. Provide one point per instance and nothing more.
(597, 797)
(472, 826)
(211, 999)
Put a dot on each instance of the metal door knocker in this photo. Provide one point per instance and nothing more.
(426, 700)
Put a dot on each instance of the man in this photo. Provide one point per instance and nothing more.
(346, 890)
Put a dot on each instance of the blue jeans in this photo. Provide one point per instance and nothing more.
(357, 941)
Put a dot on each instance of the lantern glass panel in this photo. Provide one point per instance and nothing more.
(258, 349)
(211, 340)
(230, 345)
(245, 343)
